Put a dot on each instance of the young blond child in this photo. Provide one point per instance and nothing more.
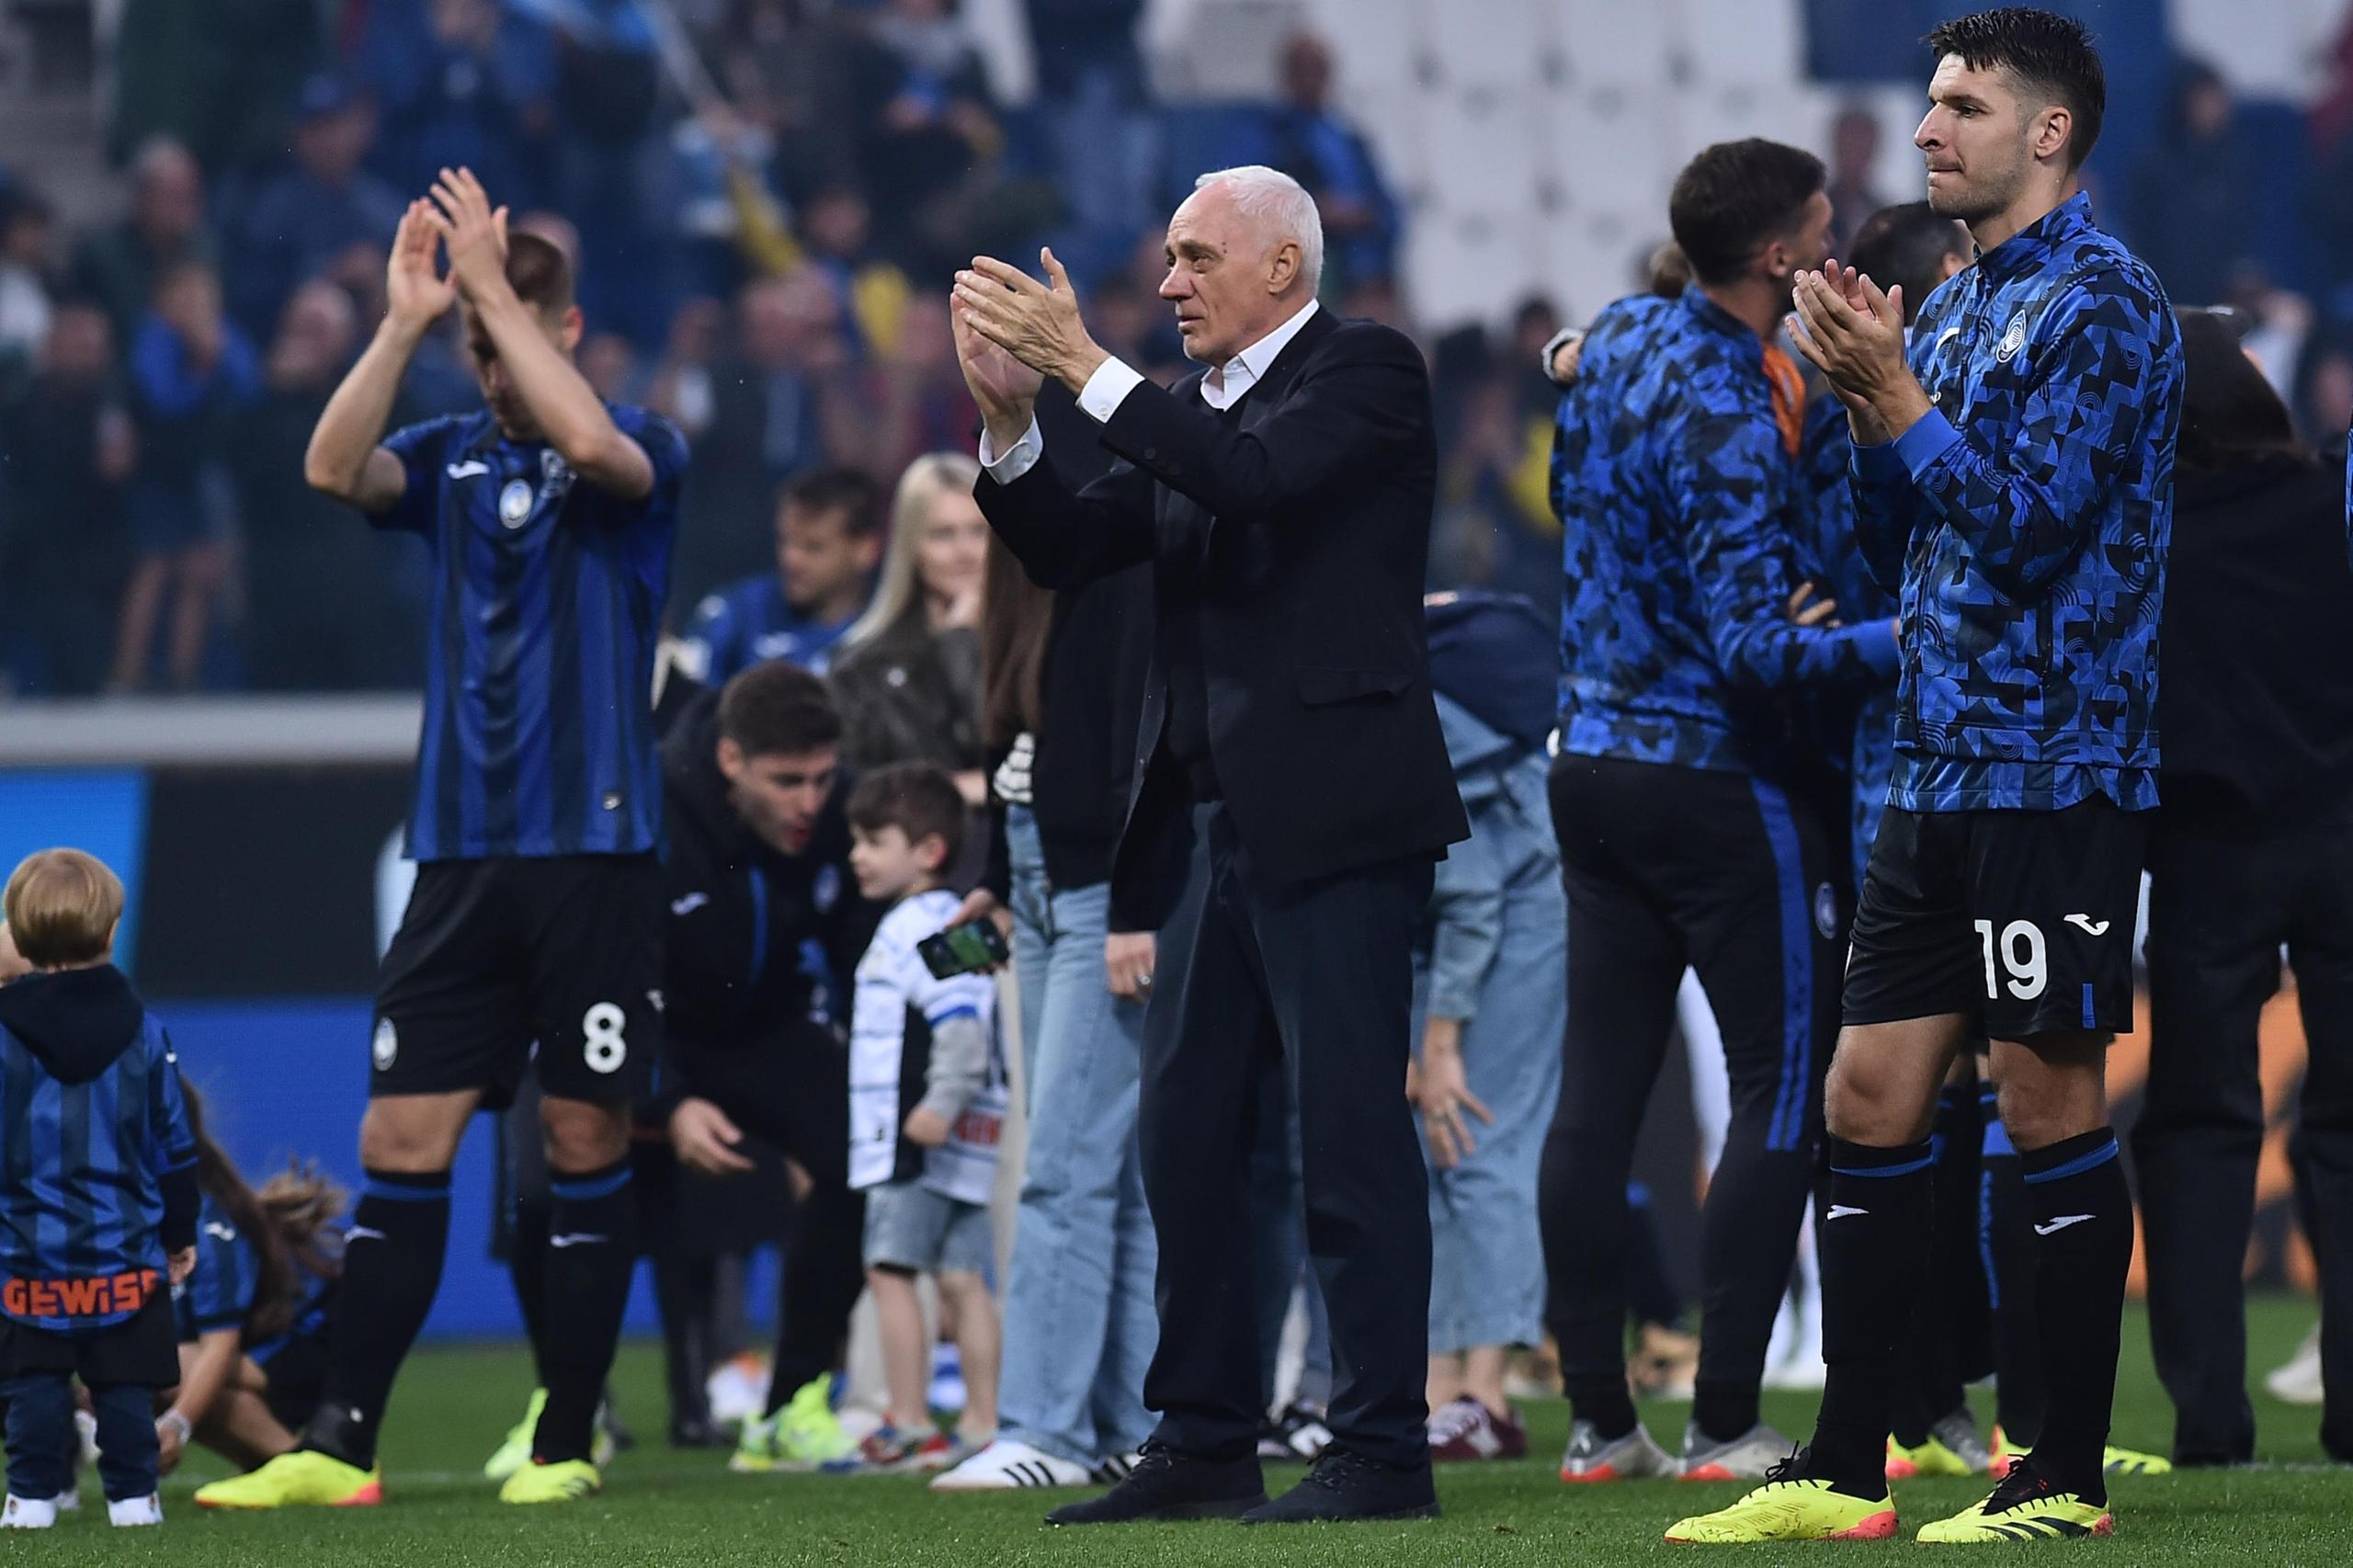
(98, 1195)
(926, 1102)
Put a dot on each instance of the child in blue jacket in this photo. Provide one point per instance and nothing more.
(97, 1196)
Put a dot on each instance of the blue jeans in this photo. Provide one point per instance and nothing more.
(1079, 1326)
(1487, 1255)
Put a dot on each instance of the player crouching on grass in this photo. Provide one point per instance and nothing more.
(98, 1197)
(253, 1320)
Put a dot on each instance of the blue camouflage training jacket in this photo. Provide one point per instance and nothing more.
(2025, 522)
(1677, 496)
(1828, 556)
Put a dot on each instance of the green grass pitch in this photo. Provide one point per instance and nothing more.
(663, 1507)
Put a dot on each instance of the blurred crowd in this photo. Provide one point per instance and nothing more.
(765, 197)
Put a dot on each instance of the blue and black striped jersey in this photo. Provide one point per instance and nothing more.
(219, 1294)
(94, 1144)
(546, 603)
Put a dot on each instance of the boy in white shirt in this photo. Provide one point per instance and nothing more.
(926, 1102)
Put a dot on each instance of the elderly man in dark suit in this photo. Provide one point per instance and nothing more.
(1291, 796)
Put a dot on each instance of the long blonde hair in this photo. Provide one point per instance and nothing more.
(900, 591)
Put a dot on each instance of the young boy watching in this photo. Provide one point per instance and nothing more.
(926, 1103)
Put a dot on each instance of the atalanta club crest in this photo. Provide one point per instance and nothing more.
(2012, 340)
(386, 1045)
(515, 504)
(1825, 911)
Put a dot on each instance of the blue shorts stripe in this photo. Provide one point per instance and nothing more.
(1787, 1129)
(580, 1189)
(2091, 1012)
(2075, 1167)
(1906, 1168)
(1985, 1237)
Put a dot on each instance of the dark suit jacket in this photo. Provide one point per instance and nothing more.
(1297, 537)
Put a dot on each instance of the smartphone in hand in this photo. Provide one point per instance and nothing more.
(964, 949)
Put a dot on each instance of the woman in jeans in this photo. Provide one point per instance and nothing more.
(1064, 677)
(1489, 1014)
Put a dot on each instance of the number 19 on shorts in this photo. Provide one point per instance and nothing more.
(2024, 962)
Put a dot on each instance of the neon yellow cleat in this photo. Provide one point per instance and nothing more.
(1791, 1510)
(2114, 1460)
(567, 1481)
(802, 1437)
(1931, 1458)
(303, 1479)
(758, 1451)
(2023, 1507)
(515, 1452)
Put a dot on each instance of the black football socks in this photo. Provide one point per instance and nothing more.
(2081, 1213)
(1875, 1242)
(592, 1254)
(392, 1268)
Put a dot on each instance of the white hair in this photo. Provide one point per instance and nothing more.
(1280, 208)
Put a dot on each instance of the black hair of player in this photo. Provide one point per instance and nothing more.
(1908, 245)
(2229, 414)
(775, 709)
(917, 797)
(851, 492)
(2050, 55)
(1736, 198)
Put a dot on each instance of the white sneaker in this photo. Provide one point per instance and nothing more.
(147, 1510)
(27, 1514)
(1746, 1458)
(1591, 1458)
(1006, 1464)
(2298, 1381)
(1112, 1468)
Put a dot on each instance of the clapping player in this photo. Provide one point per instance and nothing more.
(537, 913)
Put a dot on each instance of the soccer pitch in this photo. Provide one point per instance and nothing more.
(667, 1508)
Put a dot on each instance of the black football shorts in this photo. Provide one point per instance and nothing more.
(2020, 921)
(502, 964)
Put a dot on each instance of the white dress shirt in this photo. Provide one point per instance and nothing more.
(1113, 380)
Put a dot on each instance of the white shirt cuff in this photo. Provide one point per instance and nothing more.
(1004, 468)
(1106, 388)
(1552, 346)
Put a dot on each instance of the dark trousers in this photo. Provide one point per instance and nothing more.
(793, 1093)
(2221, 908)
(1668, 867)
(1314, 982)
(41, 1439)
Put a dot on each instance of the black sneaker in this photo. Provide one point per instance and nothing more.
(1165, 1485)
(1346, 1485)
(698, 1432)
